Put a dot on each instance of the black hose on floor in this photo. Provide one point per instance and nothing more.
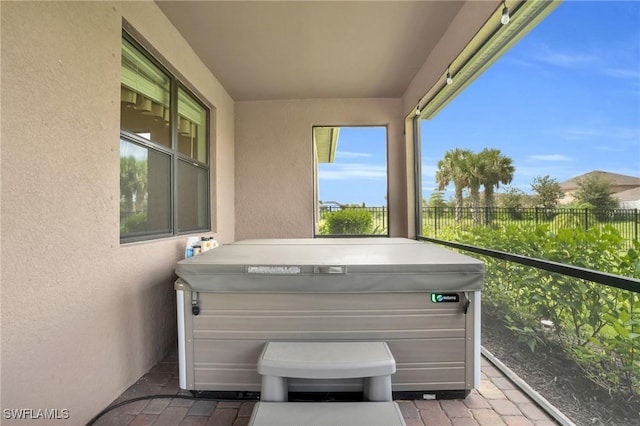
(142, 398)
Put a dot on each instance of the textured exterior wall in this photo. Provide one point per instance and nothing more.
(83, 317)
(274, 162)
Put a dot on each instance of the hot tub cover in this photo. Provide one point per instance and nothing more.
(331, 265)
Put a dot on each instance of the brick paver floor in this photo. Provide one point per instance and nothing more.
(496, 402)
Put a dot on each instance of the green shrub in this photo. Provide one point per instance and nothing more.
(596, 325)
(134, 223)
(348, 222)
(515, 213)
(574, 219)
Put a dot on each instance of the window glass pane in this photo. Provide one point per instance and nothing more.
(145, 201)
(351, 180)
(192, 197)
(192, 128)
(144, 97)
(555, 165)
(164, 189)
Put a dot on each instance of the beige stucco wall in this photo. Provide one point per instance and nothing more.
(274, 161)
(83, 316)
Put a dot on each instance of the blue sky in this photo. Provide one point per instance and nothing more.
(359, 173)
(564, 101)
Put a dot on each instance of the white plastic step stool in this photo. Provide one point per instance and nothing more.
(372, 361)
(326, 414)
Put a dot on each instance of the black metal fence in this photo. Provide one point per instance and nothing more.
(626, 221)
(435, 219)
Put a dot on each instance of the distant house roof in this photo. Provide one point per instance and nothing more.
(629, 195)
(617, 180)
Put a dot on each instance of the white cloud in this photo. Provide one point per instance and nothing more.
(631, 133)
(579, 134)
(564, 59)
(609, 61)
(560, 171)
(611, 133)
(632, 73)
(612, 148)
(352, 171)
(551, 157)
(347, 154)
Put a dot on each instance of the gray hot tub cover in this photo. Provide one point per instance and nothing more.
(344, 265)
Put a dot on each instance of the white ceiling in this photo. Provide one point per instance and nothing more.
(267, 50)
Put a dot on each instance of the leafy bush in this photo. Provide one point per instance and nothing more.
(349, 222)
(134, 223)
(596, 325)
(574, 219)
(322, 227)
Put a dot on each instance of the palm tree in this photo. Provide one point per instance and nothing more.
(451, 169)
(133, 184)
(141, 185)
(127, 183)
(497, 169)
(474, 168)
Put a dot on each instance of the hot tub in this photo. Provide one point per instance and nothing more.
(422, 299)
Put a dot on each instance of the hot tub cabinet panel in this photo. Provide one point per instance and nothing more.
(434, 341)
